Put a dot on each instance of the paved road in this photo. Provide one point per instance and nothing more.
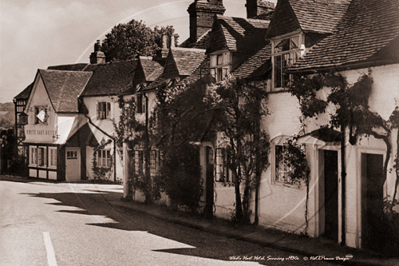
(44, 223)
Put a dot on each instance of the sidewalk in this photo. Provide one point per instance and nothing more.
(309, 247)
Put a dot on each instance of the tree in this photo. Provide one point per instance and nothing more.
(181, 118)
(238, 109)
(127, 41)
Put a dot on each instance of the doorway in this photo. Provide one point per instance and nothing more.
(72, 164)
(372, 200)
(331, 195)
(209, 183)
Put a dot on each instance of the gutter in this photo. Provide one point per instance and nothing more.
(348, 66)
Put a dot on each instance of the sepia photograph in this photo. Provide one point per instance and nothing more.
(199, 132)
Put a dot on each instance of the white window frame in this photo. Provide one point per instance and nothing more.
(104, 158)
(42, 157)
(33, 156)
(276, 175)
(103, 110)
(220, 65)
(52, 157)
(290, 56)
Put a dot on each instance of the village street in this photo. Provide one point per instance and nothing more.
(45, 223)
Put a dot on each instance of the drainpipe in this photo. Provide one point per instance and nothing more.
(343, 181)
(113, 139)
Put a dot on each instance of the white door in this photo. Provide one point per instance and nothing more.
(72, 164)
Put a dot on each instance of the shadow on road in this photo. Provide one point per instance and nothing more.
(92, 202)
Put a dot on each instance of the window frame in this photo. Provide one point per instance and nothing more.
(276, 180)
(293, 53)
(104, 158)
(52, 157)
(103, 110)
(220, 64)
(33, 156)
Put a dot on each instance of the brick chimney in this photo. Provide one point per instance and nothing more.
(97, 57)
(202, 13)
(260, 9)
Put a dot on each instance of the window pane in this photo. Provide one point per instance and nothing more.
(277, 71)
(220, 59)
(213, 60)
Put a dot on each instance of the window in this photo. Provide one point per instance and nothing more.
(52, 160)
(41, 115)
(154, 162)
(140, 104)
(285, 53)
(220, 65)
(223, 173)
(138, 162)
(42, 156)
(103, 110)
(282, 170)
(71, 155)
(33, 156)
(104, 158)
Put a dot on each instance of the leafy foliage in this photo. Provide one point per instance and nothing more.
(127, 41)
(238, 109)
(101, 173)
(180, 176)
(180, 119)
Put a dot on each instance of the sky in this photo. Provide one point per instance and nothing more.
(35, 34)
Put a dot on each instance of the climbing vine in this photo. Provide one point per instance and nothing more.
(239, 108)
(352, 115)
(294, 158)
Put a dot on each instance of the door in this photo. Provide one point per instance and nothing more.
(331, 194)
(209, 183)
(372, 200)
(72, 164)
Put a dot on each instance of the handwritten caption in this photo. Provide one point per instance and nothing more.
(290, 258)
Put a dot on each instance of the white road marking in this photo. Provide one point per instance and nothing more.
(50, 250)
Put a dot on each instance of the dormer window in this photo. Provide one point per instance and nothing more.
(285, 52)
(220, 65)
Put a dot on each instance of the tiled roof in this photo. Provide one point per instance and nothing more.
(159, 82)
(70, 67)
(320, 16)
(368, 28)
(111, 78)
(201, 43)
(64, 87)
(201, 72)
(238, 34)
(152, 69)
(256, 65)
(182, 62)
(24, 95)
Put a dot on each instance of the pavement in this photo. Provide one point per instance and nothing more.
(311, 248)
